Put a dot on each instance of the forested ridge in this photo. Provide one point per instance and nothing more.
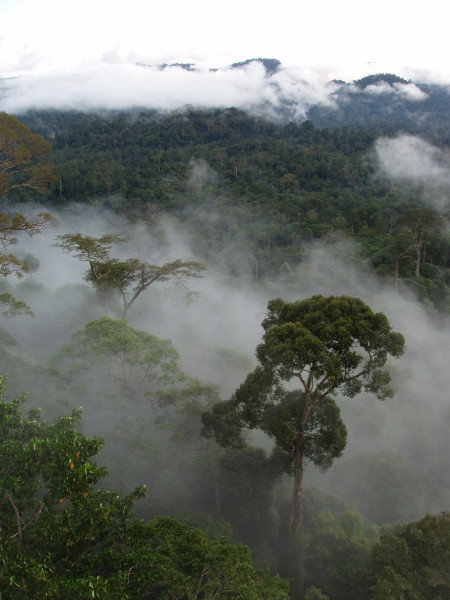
(206, 432)
(273, 187)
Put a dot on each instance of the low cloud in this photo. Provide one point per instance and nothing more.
(113, 85)
(217, 334)
(404, 91)
(411, 159)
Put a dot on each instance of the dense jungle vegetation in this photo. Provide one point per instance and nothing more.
(189, 504)
(268, 188)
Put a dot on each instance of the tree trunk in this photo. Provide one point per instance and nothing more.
(217, 493)
(397, 269)
(418, 249)
(296, 542)
(297, 500)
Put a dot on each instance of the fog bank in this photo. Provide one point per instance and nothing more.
(216, 334)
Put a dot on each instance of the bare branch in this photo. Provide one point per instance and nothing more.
(17, 516)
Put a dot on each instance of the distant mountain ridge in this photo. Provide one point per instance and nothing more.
(379, 99)
(387, 99)
(388, 78)
(271, 65)
(259, 86)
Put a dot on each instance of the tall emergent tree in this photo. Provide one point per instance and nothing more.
(125, 278)
(419, 225)
(325, 344)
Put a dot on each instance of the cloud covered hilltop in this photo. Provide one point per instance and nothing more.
(262, 86)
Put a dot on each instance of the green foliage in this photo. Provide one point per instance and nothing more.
(11, 307)
(247, 481)
(130, 380)
(312, 593)
(191, 565)
(419, 225)
(22, 165)
(252, 189)
(411, 561)
(63, 536)
(326, 344)
(123, 279)
(10, 226)
(338, 553)
(244, 183)
(325, 434)
(23, 158)
(130, 358)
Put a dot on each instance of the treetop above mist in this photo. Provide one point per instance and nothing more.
(123, 281)
(270, 64)
(388, 78)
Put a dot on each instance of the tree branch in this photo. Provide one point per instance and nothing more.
(17, 515)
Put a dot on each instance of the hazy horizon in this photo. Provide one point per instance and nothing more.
(92, 55)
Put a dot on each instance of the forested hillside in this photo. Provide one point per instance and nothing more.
(273, 188)
(252, 315)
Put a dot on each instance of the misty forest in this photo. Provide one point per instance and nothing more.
(224, 350)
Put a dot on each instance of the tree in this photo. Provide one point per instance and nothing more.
(127, 278)
(399, 250)
(411, 561)
(338, 553)
(23, 158)
(11, 307)
(312, 593)
(10, 226)
(327, 344)
(194, 566)
(63, 536)
(419, 224)
(109, 351)
(22, 165)
(246, 485)
(131, 381)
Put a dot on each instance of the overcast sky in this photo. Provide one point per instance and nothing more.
(94, 43)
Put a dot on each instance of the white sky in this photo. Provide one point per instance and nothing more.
(48, 40)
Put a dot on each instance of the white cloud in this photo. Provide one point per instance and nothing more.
(408, 158)
(85, 54)
(406, 91)
(122, 85)
(410, 91)
(342, 38)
